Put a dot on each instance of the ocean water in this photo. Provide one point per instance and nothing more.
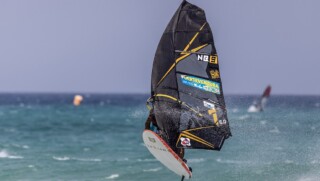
(44, 137)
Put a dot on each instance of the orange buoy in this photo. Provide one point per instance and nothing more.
(77, 100)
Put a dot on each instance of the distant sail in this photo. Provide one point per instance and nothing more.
(259, 105)
(77, 100)
(186, 87)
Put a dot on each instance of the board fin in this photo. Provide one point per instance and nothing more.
(182, 179)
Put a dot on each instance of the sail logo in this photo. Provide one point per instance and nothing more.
(202, 84)
(208, 105)
(215, 74)
(222, 122)
(185, 141)
(208, 58)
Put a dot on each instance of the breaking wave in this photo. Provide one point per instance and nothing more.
(113, 176)
(146, 160)
(5, 154)
(65, 158)
(152, 169)
(196, 160)
(61, 158)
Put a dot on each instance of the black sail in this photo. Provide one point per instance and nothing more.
(186, 86)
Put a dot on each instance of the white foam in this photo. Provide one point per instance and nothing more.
(65, 158)
(113, 176)
(196, 160)
(21, 146)
(5, 154)
(88, 159)
(25, 146)
(146, 160)
(138, 113)
(152, 169)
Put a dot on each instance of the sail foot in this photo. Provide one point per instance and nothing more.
(209, 138)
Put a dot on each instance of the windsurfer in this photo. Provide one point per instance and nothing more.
(151, 123)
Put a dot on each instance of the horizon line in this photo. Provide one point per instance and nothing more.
(140, 93)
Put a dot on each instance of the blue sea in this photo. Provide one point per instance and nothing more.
(43, 137)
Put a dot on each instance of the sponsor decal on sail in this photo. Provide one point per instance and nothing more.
(215, 74)
(208, 105)
(203, 84)
(222, 122)
(185, 141)
(214, 59)
(208, 58)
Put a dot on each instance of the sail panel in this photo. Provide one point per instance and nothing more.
(205, 113)
(196, 64)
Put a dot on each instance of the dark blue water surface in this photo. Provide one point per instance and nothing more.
(44, 137)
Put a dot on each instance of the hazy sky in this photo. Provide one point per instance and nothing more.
(108, 46)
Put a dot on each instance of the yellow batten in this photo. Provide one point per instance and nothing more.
(166, 96)
(197, 139)
(193, 38)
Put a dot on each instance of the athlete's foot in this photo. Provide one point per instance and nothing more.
(184, 160)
